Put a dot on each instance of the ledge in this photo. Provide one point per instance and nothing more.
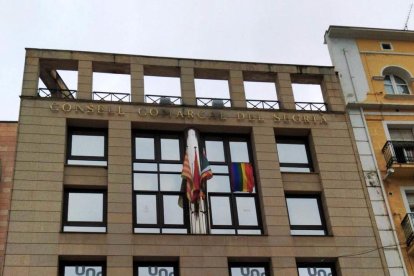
(384, 106)
(399, 97)
(143, 104)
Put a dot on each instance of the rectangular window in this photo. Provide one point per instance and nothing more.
(308, 97)
(386, 46)
(155, 269)
(157, 166)
(84, 211)
(114, 87)
(249, 269)
(87, 147)
(82, 268)
(306, 215)
(403, 144)
(261, 95)
(407, 222)
(162, 90)
(294, 154)
(230, 212)
(212, 92)
(317, 268)
(408, 198)
(57, 83)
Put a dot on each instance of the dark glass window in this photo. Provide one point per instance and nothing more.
(230, 212)
(317, 268)
(157, 165)
(82, 268)
(87, 147)
(386, 46)
(294, 154)
(84, 211)
(305, 215)
(156, 269)
(249, 269)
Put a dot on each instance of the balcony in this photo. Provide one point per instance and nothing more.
(311, 106)
(407, 226)
(111, 97)
(261, 104)
(56, 93)
(163, 100)
(214, 102)
(398, 152)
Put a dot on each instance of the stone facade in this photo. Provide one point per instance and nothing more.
(8, 135)
(36, 242)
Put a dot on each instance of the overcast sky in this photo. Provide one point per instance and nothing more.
(274, 31)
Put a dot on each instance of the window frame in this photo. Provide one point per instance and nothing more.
(234, 212)
(64, 263)
(231, 195)
(296, 140)
(330, 265)
(198, 80)
(383, 43)
(174, 264)
(264, 265)
(86, 132)
(323, 226)
(400, 153)
(391, 128)
(395, 85)
(404, 190)
(65, 221)
(159, 194)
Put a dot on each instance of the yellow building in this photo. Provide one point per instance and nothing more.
(376, 69)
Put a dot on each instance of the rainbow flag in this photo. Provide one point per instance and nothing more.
(242, 179)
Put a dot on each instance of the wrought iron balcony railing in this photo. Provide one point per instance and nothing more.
(214, 102)
(310, 106)
(407, 225)
(163, 100)
(111, 96)
(262, 104)
(401, 152)
(56, 93)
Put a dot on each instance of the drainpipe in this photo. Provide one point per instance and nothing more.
(350, 75)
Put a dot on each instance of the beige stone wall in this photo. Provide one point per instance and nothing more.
(35, 241)
(8, 136)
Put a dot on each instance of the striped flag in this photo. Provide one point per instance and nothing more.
(242, 179)
(206, 174)
(187, 177)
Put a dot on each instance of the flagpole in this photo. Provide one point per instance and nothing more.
(201, 207)
(196, 172)
(189, 202)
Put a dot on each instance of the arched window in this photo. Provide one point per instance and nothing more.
(396, 80)
(395, 85)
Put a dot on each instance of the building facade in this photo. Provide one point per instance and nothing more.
(8, 135)
(98, 187)
(375, 68)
